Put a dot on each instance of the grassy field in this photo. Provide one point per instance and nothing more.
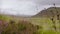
(13, 25)
(46, 25)
(41, 25)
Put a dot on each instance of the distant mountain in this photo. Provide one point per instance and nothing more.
(48, 12)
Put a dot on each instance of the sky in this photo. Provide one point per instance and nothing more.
(25, 7)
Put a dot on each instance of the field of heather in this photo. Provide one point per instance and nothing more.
(10, 25)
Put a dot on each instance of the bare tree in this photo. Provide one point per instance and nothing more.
(53, 21)
(57, 17)
(53, 15)
(56, 11)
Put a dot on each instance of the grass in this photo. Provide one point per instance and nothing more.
(28, 25)
(9, 25)
(47, 25)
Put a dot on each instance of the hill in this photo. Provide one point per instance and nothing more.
(48, 12)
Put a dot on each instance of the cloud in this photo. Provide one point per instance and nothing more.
(21, 7)
(26, 7)
(47, 2)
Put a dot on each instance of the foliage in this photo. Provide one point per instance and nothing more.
(11, 27)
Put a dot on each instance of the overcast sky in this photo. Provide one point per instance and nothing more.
(25, 7)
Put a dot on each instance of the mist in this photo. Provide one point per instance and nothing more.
(25, 7)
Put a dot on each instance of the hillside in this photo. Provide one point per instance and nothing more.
(12, 25)
(48, 12)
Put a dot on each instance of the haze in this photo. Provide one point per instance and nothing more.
(25, 7)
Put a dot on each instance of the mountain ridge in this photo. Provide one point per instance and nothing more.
(48, 12)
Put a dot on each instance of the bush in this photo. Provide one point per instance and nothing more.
(21, 27)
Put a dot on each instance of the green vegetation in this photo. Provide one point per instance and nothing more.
(10, 26)
(47, 24)
(32, 26)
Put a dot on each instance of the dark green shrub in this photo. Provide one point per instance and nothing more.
(14, 33)
(11, 21)
(21, 27)
(2, 32)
